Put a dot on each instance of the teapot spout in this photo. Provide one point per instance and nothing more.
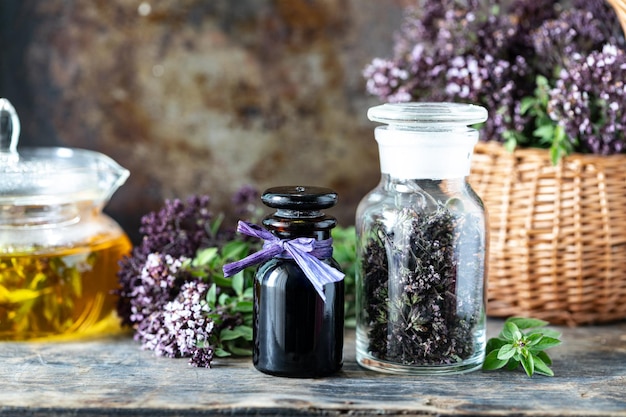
(111, 176)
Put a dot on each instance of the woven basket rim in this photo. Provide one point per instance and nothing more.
(498, 148)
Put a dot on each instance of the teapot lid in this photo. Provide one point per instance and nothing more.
(51, 175)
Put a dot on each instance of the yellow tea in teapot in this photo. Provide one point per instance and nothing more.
(64, 293)
(59, 252)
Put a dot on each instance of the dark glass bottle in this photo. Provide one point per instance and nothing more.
(296, 333)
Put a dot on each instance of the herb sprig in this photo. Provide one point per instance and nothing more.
(229, 301)
(172, 288)
(522, 341)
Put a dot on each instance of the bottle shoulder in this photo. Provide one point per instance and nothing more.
(422, 192)
(393, 201)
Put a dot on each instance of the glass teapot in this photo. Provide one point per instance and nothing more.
(59, 253)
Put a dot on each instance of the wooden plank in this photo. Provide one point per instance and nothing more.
(115, 377)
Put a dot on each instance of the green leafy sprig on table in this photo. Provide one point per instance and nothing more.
(522, 341)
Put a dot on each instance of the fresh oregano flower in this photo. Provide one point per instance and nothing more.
(522, 341)
(172, 288)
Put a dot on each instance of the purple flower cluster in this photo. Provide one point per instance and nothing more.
(179, 229)
(157, 283)
(159, 296)
(588, 101)
(492, 52)
(180, 328)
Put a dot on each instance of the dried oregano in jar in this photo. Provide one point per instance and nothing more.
(421, 245)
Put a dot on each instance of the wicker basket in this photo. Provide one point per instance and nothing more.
(557, 234)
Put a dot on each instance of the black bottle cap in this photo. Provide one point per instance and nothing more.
(300, 198)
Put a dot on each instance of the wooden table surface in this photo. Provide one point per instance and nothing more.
(115, 377)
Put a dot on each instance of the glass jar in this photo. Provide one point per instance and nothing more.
(297, 333)
(59, 253)
(421, 245)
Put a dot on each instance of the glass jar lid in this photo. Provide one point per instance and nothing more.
(415, 114)
(426, 140)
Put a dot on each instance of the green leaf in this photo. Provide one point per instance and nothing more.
(244, 332)
(523, 323)
(510, 145)
(221, 353)
(512, 139)
(215, 226)
(248, 293)
(533, 339)
(555, 334)
(245, 306)
(526, 104)
(544, 357)
(506, 352)
(542, 84)
(510, 332)
(546, 343)
(204, 257)
(223, 299)
(512, 365)
(545, 132)
(560, 145)
(248, 320)
(492, 362)
(211, 296)
(239, 351)
(237, 283)
(221, 281)
(541, 367)
(528, 364)
(555, 155)
(234, 250)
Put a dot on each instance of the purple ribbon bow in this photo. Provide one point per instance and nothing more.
(306, 251)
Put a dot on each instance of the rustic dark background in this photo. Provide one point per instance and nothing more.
(197, 96)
